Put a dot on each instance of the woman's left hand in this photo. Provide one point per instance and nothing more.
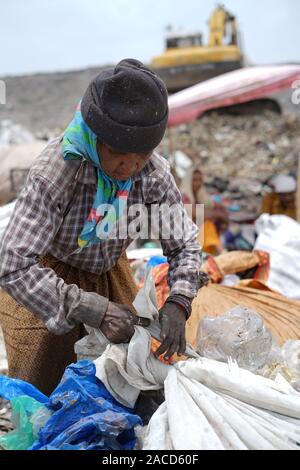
(172, 318)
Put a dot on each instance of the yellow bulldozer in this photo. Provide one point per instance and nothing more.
(187, 61)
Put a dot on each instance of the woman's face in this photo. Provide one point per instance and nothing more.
(197, 181)
(121, 166)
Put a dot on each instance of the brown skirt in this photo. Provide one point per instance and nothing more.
(40, 357)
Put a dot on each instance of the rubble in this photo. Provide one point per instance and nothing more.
(252, 147)
(238, 154)
(11, 134)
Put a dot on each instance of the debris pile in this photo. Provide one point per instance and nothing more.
(239, 146)
(12, 134)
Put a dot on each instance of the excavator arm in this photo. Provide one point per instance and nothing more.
(222, 26)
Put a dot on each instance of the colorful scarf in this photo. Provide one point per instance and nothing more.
(80, 142)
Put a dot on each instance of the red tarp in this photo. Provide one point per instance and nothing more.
(240, 86)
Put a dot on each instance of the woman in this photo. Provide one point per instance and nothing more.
(60, 265)
(215, 215)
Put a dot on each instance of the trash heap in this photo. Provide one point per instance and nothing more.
(246, 146)
(13, 134)
(225, 404)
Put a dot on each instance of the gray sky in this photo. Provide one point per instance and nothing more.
(49, 35)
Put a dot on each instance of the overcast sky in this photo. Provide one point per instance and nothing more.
(49, 35)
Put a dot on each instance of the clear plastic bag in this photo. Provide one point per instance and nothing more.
(284, 361)
(291, 354)
(239, 334)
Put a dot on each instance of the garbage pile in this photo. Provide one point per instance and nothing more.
(247, 146)
(79, 415)
(252, 412)
(208, 404)
(12, 134)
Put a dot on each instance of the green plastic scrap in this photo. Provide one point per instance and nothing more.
(28, 416)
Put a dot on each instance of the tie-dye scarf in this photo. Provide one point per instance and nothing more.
(80, 142)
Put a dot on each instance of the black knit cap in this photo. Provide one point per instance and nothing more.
(127, 107)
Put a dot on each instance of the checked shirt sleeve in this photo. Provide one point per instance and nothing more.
(36, 220)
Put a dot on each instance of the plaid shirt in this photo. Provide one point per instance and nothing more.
(49, 216)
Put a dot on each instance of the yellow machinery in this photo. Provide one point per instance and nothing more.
(186, 61)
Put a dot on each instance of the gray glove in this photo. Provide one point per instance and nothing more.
(118, 323)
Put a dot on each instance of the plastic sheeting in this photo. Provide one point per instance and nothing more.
(84, 415)
(280, 314)
(28, 416)
(208, 405)
(240, 86)
(127, 369)
(215, 406)
(280, 237)
(13, 388)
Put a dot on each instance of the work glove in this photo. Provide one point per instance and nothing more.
(172, 318)
(118, 323)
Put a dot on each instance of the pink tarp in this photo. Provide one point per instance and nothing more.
(240, 86)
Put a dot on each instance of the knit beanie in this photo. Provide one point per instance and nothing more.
(127, 107)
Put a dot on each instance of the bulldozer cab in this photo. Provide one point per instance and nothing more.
(183, 40)
(187, 61)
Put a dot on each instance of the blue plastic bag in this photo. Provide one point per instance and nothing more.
(156, 260)
(100, 431)
(82, 409)
(85, 416)
(10, 388)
